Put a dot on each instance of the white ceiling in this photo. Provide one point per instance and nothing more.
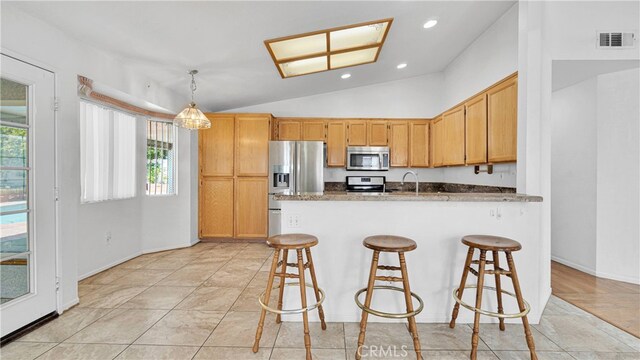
(224, 40)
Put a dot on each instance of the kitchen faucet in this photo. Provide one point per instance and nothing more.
(414, 174)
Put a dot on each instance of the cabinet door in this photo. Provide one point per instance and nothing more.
(252, 145)
(436, 142)
(289, 130)
(419, 143)
(399, 143)
(216, 146)
(313, 130)
(502, 121)
(357, 133)
(453, 137)
(215, 213)
(378, 133)
(251, 215)
(336, 143)
(476, 130)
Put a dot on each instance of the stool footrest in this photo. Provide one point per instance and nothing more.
(523, 313)
(388, 267)
(287, 275)
(386, 314)
(294, 265)
(291, 311)
(389, 278)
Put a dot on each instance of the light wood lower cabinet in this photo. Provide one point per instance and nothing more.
(453, 137)
(399, 143)
(502, 119)
(251, 207)
(419, 143)
(216, 207)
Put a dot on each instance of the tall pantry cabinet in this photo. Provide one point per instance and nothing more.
(234, 165)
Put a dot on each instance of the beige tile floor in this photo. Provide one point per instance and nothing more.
(200, 303)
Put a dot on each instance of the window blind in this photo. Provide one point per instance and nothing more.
(108, 153)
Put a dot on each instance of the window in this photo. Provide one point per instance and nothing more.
(161, 163)
(108, 153)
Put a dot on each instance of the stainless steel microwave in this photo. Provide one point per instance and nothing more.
(374, 158)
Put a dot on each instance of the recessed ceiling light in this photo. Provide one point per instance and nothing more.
(402, 66)
(430, 23)
(346, 76)
(329, 49)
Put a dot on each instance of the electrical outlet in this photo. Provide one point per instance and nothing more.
(293, 221)
(107, 237)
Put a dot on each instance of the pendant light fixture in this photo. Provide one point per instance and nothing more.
(191, 117)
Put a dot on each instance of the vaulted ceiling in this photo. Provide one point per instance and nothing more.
(224, 40)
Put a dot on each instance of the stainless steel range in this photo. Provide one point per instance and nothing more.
(366, 184)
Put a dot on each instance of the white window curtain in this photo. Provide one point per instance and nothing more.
(108, 153)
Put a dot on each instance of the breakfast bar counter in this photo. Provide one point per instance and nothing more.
(437, 222)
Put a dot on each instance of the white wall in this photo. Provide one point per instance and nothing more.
(573, 175)
(556, 31)
(618, 179)
(82, 247)
(490, 58)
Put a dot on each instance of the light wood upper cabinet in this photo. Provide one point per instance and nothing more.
(378, 133)
(336, 143)
(436, 142)
(313, 130)
(251, 207)
(289, 130)
(216, 207)
(476, 130)
(399, 143)
(357, 133)
(216, 146)
(502, 120)
(252, 145)
(419, 143)
(453, 137)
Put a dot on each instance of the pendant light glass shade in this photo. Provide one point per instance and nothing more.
(192, 118)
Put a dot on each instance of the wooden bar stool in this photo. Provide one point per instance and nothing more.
(398, 244)
(282, 244)
(495, 244)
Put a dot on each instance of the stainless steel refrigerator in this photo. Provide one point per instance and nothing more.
(295, 167)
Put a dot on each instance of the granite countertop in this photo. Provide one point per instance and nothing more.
(411, 196)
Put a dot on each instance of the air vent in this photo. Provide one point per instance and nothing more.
(616, 40)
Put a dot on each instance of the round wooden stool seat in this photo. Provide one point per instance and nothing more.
(292, 241)
(491, 243)
(389, 243)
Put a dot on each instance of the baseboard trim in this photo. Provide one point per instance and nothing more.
(627, 279)
(68, 305)
(571, 264)
(600, 274)
(106, 267)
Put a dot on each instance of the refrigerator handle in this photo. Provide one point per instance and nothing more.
(297, 167)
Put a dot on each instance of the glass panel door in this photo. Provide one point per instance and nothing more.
(27, 197)
(15, 254)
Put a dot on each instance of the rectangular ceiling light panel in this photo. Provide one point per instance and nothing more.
(329, 49)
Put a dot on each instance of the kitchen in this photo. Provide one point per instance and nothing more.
(356, 133)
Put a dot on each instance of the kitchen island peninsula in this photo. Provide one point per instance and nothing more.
(437, 222)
